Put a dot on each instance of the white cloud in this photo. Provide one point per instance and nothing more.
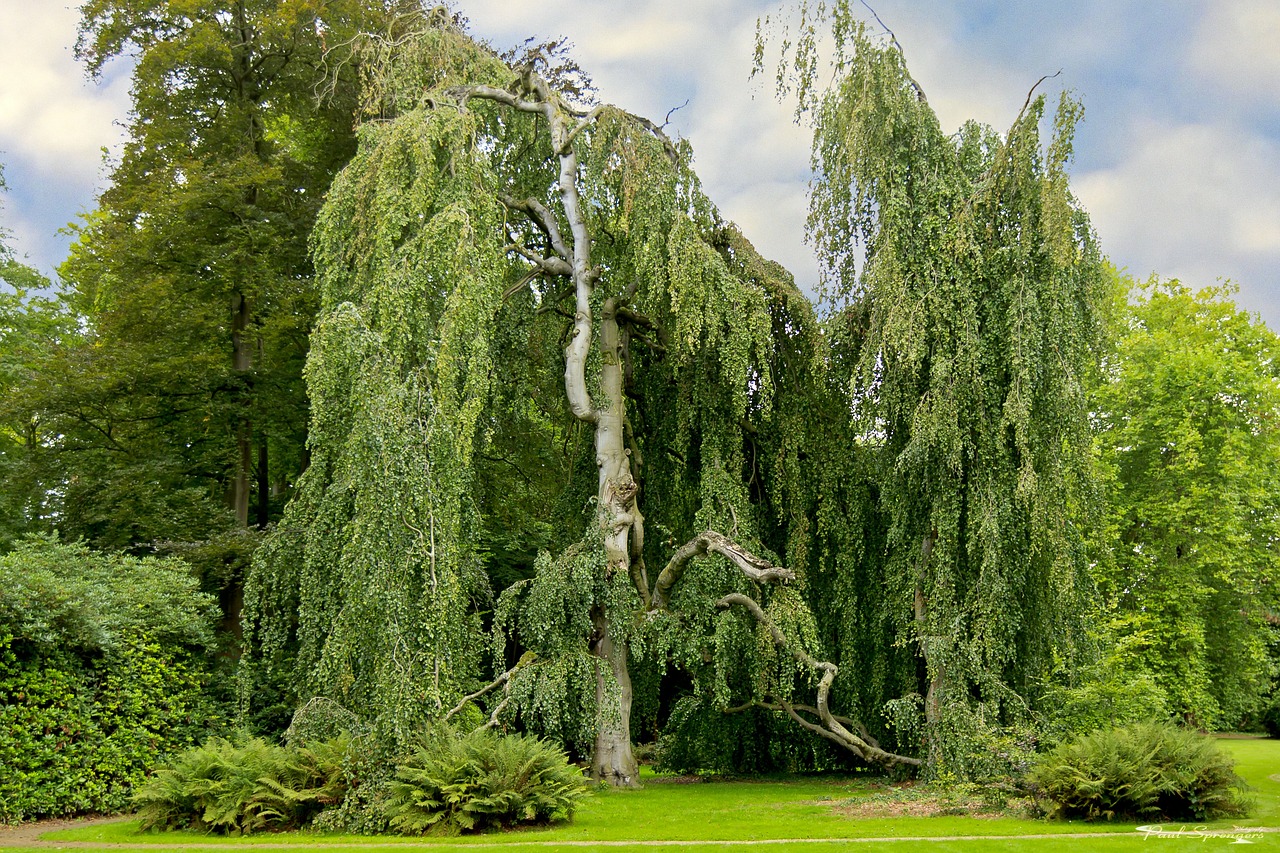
(1235, 49)
(1193, 201)
(50, 116)
(650, 58)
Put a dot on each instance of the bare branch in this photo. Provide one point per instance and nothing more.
(832, 728)
(583, 123)
(527, 659)
(756, 568)
(502, 96)
(555, 266)
(914, 85)
(521, 284)
(666, 121)
(544, 219)
(1027, 102)
(659, 134)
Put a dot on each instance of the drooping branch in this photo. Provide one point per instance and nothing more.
(503, 681)
(894, 38)
(831, 727)
(756, 568)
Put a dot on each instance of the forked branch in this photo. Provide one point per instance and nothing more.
(503, 681)
(756, 568)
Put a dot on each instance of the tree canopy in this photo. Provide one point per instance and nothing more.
(1187, 414)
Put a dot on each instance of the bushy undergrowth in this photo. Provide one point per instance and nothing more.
(482, 780)
(102, 673)
(1270, 719)
(1144, 771)
(245, 786)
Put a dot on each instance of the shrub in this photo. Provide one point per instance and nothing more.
(455, 784)
(1105, 695)
(1271, 719)
(1146, 771)
(242, 787)
(101, 675)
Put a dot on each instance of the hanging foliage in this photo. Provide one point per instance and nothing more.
(375, 556)
(965, 283)
(495, 242)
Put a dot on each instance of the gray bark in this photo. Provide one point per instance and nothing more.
(832, 727)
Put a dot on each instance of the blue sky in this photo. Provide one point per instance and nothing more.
(1178, 160)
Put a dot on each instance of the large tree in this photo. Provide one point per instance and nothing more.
(193, 275)
(1188, 412)
(488, 215)
(31, 326)
(966, 286)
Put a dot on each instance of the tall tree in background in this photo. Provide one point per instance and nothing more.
(1189, 416)
(967, 322)
(193, 275)
(31, 327)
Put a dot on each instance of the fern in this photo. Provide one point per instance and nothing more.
(245, 786)
(1147, 771)
(482, 780)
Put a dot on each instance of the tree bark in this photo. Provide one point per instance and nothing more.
(933, 667)
(241, 363)
(612, 760)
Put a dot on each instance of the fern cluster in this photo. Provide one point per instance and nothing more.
(244, 786)
(1147, 770)
(482, 780)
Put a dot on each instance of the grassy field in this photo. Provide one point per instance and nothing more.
(807, 815)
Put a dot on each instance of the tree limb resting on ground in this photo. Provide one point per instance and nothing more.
(832, 728)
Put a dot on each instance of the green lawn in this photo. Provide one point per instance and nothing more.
(770, 815)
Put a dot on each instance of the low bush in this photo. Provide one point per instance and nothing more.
(102, 673)
(245, 786)
(1144, 771)
(459, 784)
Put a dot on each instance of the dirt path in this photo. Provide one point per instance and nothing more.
(28, 834)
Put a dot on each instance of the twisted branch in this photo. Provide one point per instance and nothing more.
(756, 568)
(832, 729)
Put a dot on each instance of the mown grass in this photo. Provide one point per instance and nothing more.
(793, 815)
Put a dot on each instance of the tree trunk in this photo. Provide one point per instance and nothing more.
(619, 516)
(264, 485)
(617, 513)
(613, 761)
(933, 667)
(241, 362)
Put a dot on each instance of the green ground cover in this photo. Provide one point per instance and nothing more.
(808, 815)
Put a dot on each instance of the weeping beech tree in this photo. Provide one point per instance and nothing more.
(966, 288)
(526, 297)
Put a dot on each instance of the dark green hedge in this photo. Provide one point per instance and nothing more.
(102, 669)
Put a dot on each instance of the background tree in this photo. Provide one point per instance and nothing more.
(193, 275)
(966, 324)
(31, 326)
(1187, 421)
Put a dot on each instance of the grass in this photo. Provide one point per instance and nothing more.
(805, 815)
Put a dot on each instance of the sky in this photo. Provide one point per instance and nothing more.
(1177, 161)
